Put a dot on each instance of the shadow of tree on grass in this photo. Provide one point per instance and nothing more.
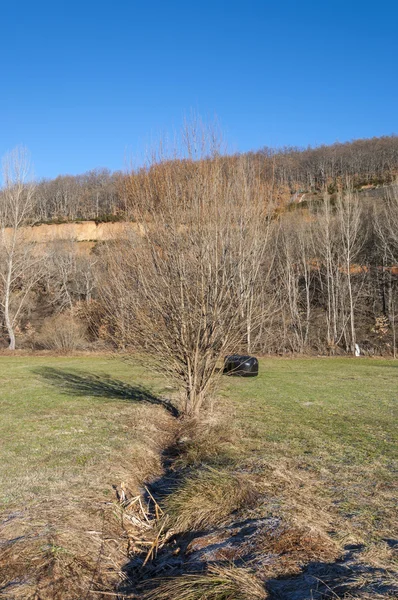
(79, 383)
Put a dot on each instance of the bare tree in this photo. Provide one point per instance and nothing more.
(349, 221)
(327, 264)
(69, 275)
(338, 240)
(179, 284)
(386, 225)
(294, 261)
(20, 262)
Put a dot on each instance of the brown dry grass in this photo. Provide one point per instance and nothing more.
(219, 583)
(70, 544)
(214, 438)
(295, 547)
(56, 555)
(300, 496)
(207, 497)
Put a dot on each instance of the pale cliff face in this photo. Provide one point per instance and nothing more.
(88, 231)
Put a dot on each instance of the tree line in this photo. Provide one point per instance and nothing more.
(101, 195)
(363, 162)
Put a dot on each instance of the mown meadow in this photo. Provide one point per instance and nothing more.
(313, 440)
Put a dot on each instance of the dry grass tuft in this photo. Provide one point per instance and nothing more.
(207, 497)
(213, 438)
(381, 555)
(295, 541)
(41, 563)
(219, 583)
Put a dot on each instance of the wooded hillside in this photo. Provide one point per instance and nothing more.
(100, 195)
(318, 276)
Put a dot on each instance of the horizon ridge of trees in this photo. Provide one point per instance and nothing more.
(100, 194)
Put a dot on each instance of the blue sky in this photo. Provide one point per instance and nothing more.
(85, 84)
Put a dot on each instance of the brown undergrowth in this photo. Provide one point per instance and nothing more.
(218, 583)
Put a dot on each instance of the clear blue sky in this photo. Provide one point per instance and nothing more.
(83, 83)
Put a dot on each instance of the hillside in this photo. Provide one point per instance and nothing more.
(94, 231)
(321, 260)
(100, 195)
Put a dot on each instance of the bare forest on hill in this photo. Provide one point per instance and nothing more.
(277, 251)
(101, 195)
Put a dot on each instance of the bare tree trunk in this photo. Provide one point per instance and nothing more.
(386, 223)
(7, 318)
(394, 338)
(349, 215)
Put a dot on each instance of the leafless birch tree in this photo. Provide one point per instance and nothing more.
(349, 221)
(337, 243)
(296, 277)
(20, 263)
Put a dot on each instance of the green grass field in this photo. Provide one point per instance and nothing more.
(335, 418)
(65, 421)
(63, 418)
(71, 427)
(322, 404)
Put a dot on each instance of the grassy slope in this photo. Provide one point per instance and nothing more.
(332, 417)
(70, 429)
(68, 433)
(58, 429)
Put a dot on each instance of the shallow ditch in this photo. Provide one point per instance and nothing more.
(286, 573)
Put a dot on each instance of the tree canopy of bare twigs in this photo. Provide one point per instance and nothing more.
(182, 288)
